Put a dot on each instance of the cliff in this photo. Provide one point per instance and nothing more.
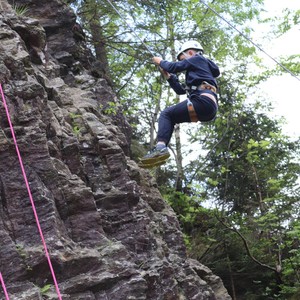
(109, 233)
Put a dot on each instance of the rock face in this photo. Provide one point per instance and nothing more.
(109, 233)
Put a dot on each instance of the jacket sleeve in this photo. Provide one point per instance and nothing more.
(176, 85)
(175, 67)
(213, 68)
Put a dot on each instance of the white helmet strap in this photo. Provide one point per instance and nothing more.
(186, 56)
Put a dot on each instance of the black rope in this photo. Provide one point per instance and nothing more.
(131, 29)
(248, 39)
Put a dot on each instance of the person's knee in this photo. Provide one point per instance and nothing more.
(165, 114)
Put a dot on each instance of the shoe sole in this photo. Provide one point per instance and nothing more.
(152, 165)
(155, 159)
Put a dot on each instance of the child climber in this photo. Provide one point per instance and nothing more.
(201, 104)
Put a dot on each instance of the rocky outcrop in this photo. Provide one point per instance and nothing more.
(109, 233)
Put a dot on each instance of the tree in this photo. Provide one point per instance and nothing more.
(251, 171)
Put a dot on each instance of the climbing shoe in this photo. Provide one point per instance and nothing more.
(150, 165)
(156, 155)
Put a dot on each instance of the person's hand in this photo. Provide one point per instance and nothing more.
(156, 60)
(164, 73)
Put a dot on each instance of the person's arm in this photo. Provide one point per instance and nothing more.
(176, 85)
(173, 81)
(164, 73)
(171, 78)
(171, 67)
(175, 67)
(213, 68)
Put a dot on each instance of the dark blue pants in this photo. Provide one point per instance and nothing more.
(205, 108)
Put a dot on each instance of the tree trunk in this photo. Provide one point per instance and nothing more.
(231, 278)
(180, 175)
(93, 18)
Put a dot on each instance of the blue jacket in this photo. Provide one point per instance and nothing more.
(198, 68)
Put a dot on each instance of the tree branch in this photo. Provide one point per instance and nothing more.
(247, 247)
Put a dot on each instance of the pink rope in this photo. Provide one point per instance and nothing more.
(4, 287)
(30, 195)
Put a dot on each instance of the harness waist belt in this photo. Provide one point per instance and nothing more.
(204, 86)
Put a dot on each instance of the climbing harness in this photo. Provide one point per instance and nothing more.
(192, 112)
(203, 86)
(30, 194)
(4, 287)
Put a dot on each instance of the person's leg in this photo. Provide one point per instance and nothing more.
(168, 118)
(172, 115)
(206, 110)
(204, 106)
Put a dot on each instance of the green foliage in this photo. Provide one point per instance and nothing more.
(112, 108)
(45, 289)
(290, 19)
(250, 172)
(191, 214)
(20, 10)
(252, 156)
(21, 251)
(77, 126)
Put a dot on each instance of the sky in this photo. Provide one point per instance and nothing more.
(283, 91)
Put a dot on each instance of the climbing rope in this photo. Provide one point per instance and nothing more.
(249, 40)
(131, 29)
(29, 193)
(4, 287)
